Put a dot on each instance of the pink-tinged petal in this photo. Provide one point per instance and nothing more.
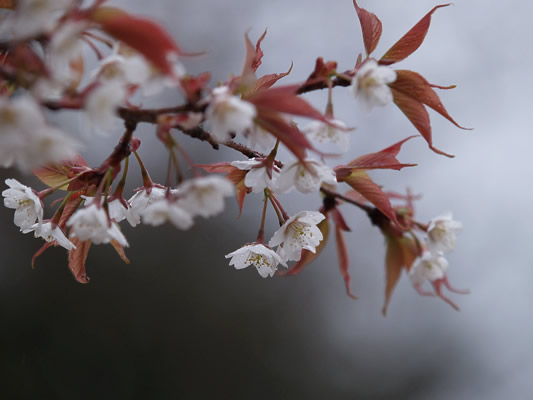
(419, 117)
(77, 258)
(141, 34)
(363, 184)
(415, 86)
(384, 159)
(371, 27)
(411, 41)
(344, 262)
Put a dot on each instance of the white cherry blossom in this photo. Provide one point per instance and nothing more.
(441, 233)
(298, 233)
(51, 233)
(260, 139)
(91, 223)
(101, 105)
(429, 267)
(26, 140)
(161, 211)
(257, 178)
(336, 133)
(204, 196)
(140, 200)
(305, 178)
(28, 207)
(369, 84)
(228, 114)
(264, 259)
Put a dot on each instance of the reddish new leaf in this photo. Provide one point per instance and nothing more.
(401, 253)
(309, 256)
(284, 99)
(415, 86)
(384, 159)
(371, 27)
(120, 251)
(267, 81)
(141, 34)
(57, 173)
(193, 86)
(364, 185)
(417, 114)
(9, 4)
(344, 262)
(322, 71)
(77, 258)
(411, 41)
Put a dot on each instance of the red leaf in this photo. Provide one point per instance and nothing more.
(361, 183)
(401, 253)
(120, 251)
(415, 86)
(384, 159)
(344, 262)
(417, 114)
(141, 34)
(193, 86)
(409, 42)
(267, 81)
(72, 205)
(253, 56)
(322, 71)
(309, 256)
(284, 99)
(77, 258)
(221, 167)
(287, 133)
(55, 174)
(371, 27)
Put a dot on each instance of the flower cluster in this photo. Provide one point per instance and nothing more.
(43, 69)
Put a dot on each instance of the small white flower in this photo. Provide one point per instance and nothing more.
(298, 233)
(228, 114)
(140, 200)
(431, 266)
(264, 259)
(205, 196)
(35, 16)
(161, 211)
(257, 179)
(260, 139)
(305, 178)
(321, 132)
(441, 233)
(370, 84)
(91, 223)
(27, 205)
(51, 234)
(26, 139)
(101, 105)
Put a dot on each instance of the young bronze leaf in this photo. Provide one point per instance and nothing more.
(371, 27)
(409, 42)
(393, 265)
(344, 262)
(77, 258)
(267, 81)
(120, 251)
(364, 185)
(141, 34)
(417, 114)
(414, 85)
(309, 256)
(384, 159)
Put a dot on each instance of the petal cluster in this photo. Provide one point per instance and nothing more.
(264, 259)
(369, 84)
(27, 205)
(442, 233)
(306, 177)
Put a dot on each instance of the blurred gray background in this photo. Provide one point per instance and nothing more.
(178, 322)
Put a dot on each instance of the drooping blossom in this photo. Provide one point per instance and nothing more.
(306, 178)
(26, 139)
(429, 267)
(92, 223)
(51, 233)
(257, 178)
(204, 196)
(369, 84)
(228, 114)
(441, 233)
(336, 133)
(264, 259)
(28, 207)
(140, 200)
(300, 232)
(163, 210)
